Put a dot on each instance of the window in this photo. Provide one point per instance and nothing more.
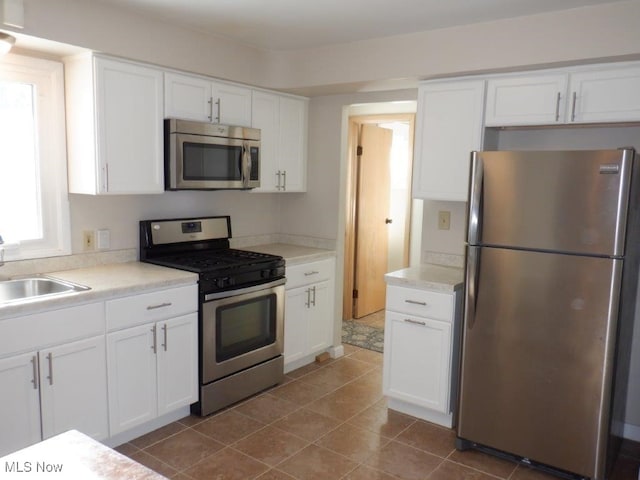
(34, 207)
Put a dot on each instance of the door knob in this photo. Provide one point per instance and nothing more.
(388, 221)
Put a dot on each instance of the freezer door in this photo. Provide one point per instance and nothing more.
(538, 345)
(563, 201)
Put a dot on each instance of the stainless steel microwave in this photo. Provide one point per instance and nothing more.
(208, 156)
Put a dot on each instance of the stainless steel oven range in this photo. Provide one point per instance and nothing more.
(241, 306)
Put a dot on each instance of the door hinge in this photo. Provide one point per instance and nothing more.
(355, 293)
(359, 151)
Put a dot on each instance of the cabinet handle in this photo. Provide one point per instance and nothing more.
(279, 175)
(50, 360)
(312, 272)
(415, 302)
(218, 103)
(314, 297)
(573, 107)
(415, 322)
(155, 339)
(308, 302)
(284, 182)
(210, 102)
(106, 177)
(160, 305)
(34, 362)
(164, 329)
(558, 107)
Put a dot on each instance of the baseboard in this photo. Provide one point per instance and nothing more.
(337, 351)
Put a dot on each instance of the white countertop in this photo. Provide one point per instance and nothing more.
(293, 254)
(428, 277)
(105, 281)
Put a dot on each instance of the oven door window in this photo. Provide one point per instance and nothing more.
(245, 326)
(203, 161)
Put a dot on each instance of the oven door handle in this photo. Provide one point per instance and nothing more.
(242, 291)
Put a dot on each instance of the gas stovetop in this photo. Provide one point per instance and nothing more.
(201, 245)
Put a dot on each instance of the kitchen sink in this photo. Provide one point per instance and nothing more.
(26, 289)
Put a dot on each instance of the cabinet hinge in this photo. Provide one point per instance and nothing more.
(355, 293)
(359, 151)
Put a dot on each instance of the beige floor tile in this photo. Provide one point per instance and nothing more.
(154, 464)
(127, 449)
(380, 419)
(353, 442)
(192, 420)
(302, 371)
(301, 393)
(430, 438)
(158, 435)
(275, 474)
(367, 473)
(454, 471)
(350, 349)
(227, 464)
(267, 408)
(229, 427)
(307, 424)
(184, 449)
(404, 461)
(271, 445)
(483, 462)
(317, 463)
(368, 356)
(340, 404)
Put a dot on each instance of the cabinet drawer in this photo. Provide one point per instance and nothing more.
(420, 302)
(150, 307)
(32, 332)
(307, 273)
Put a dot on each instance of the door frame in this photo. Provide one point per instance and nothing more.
(352, 195)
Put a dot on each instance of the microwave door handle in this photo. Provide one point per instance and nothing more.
(246, 165)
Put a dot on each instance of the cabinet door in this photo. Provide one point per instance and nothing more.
(265, 115)
(320, 330)
(20, 402)
(177, 362)
(296, 322)
(448, 127)
(605, 96)
(417, 359)
(73, 388)
(130, 133)
(292, 151)
(131, 363)
(187, 97)
(232, 104)
(531, 100)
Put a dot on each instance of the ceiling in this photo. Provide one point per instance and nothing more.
(302, 24)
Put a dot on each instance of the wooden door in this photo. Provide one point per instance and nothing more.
(371, 216)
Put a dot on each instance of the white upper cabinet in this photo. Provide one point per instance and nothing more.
(449, 126)
(282, 121)
(608, 95)
(191, 97)
(529, 100)
(114, 120)
(603, 94)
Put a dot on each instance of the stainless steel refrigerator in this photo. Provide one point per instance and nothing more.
(551, 277)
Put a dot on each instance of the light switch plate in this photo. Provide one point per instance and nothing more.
(444, 220)
(103, 239)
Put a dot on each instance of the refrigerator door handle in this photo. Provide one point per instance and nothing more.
(475, 198)
(472, 273)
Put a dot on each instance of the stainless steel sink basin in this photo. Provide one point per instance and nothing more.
(26, 289)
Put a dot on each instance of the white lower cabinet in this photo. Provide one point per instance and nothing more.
(46, 391)
(152, 370)
(420, 353)
(308, 318)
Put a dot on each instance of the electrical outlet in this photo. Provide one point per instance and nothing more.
(444, 220)
(88, 240)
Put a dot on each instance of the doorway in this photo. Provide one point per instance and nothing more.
(378, 211)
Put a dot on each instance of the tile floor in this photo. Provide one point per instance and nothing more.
(326, 422)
